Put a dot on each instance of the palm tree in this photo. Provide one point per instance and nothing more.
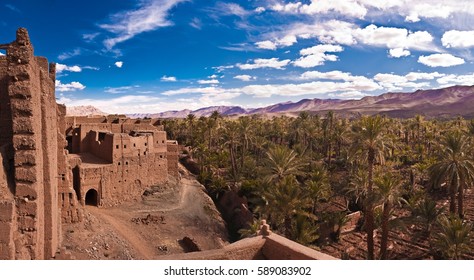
(231, 140)
(190, 119)
(369, 142)
(245, 131)
(304, 231)
(426, 212)
(454, 237)
(284, 201)
(455, 168)
(388, 193)
(282, 162)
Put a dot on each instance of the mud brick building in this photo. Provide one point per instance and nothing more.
(51, 164)
(114, 158)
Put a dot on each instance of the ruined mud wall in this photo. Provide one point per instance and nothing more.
(172, 156)
(70, 209)
(7, 207)
(126, 179)
(29, 92)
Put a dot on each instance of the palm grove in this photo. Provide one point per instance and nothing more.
(304, 175)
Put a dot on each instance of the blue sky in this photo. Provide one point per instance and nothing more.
(146, 56)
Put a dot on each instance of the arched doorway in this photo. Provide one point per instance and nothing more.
(92, 197)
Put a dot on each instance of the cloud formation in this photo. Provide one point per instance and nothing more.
(245, 78)
(118, 64)
(73, 86)
(62, 67)
(458, 39)
(317, 55)
(149, 16)
(274, 63)
(168, 79)
(441, 60)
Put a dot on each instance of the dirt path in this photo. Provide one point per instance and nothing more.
(142, 249)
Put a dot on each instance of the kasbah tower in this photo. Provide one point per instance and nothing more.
(52, 165)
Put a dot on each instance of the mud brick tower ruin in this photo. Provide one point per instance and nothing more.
(51, 165)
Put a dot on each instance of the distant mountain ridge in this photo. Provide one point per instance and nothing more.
(444, 102)
(83, 111)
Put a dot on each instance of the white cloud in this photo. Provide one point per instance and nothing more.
(415, 76)
(73, 86)
(412, 11)
(394, 38)
(440, 60)
(349, 8)
(2, 54)
(151, 15)
(266, 45)
(287, 41)
(197, 90)
(260, 10)
(314, 88)
(467, 80)
(196, 23)
(91, 68)
(397, 82)
(117, 90)
(458, 39)
(245, 78)
(338, 32)
(317, 55)
(392, 82)
(230, 9)
(168, 79)
(61, 67)
(348, 95)
(208, 82)
(275, 63)
(89, 37)
(399, 52)
(222, 68)
(67, 55)
(119, 64)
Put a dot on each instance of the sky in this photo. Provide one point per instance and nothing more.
(149, 56)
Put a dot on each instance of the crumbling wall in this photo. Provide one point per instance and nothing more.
(7, 207)
(172, 156)
(67, 200)
(28, 88)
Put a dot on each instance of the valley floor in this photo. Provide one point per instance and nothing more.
(150, 227)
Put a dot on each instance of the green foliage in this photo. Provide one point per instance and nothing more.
(454, 237)
(291, 168)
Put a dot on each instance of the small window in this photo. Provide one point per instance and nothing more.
(116, 146)
(124, 146)
(161, 156)
(163, 141)
(119, 163)
(146, 144)
(144, 153)
(134, 145)
(101, 136)
(126, 163)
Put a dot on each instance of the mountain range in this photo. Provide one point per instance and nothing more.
(440, 103)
